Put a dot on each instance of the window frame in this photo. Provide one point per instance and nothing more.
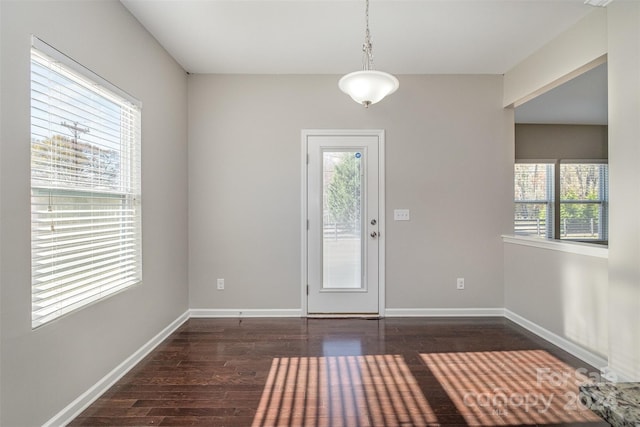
(550, 201)
(603, 201)
(67, 275)
(557, 201)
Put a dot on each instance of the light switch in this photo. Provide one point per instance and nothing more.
(401, 215)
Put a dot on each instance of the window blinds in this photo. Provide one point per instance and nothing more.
(584, 201)
(85, 186)
(582, 211)
(534, 209)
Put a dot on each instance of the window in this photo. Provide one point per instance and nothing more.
(534, 195)
(583, 191)
(584, 194)
(85, 186)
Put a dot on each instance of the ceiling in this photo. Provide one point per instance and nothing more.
(580, 101)
(409, 37)
(325, 36)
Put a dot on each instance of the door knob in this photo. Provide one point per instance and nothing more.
(374, 234)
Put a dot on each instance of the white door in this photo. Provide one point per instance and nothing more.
(344, 224)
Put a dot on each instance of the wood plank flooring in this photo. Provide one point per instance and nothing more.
(348, 372)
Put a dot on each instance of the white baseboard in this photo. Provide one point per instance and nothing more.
(74, 409)
(444, 312)
(566, 345)
(617, 376)
(239, 312)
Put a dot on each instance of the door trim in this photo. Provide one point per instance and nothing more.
(305, 134)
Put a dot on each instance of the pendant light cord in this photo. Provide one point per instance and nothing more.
(367, 48)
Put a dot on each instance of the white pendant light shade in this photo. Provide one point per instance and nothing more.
(368, 86)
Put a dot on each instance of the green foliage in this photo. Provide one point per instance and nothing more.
(579, 182)
(343, 192)
(542, 214)
(579, 210)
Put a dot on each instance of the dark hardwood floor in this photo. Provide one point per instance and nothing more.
(348, 372)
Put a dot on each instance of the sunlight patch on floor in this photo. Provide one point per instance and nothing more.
(511, 387)
(356, 391)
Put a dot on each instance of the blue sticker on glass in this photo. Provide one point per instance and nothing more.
(358, 155)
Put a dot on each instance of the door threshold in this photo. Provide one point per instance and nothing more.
(367, 316)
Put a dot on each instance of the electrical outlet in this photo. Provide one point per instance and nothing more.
(221, 284)
(460, 283)
(401, 215)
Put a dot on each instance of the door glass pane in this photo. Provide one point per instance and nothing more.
(342, 220)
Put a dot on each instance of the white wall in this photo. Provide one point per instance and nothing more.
(45, 369)
(449, 158)
(577, 50)
(622, 40)
(565, 293)
(1, 317)
(624, 193)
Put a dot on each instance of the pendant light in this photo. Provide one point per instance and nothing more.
(368, 86)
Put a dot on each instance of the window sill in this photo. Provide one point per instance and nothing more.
(588, 249)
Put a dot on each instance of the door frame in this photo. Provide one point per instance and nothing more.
(306, 133)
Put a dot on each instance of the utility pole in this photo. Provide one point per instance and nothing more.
(77, 131)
